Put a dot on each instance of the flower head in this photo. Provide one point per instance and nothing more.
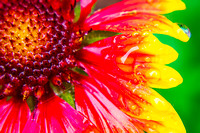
(107, 61)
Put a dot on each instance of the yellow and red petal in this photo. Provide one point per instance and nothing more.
(126, 7)
(157, 51)
(157, 111)
(148, 60)
(160, 115)
(160, 76)
(55, 115)
(114, 104)
(140, 59)
(140, 23)
(146, 50)
(14, 115)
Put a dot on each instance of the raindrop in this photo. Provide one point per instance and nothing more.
(150, 1)
(185, 29)
(153, 75)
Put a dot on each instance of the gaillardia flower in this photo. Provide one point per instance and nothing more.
(67, 70)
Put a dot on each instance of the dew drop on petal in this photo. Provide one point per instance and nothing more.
(152, 75)
(150, 1)
(147, 59)
(185, 29)
(133, 107)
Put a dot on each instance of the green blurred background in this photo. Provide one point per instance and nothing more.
(186, 97)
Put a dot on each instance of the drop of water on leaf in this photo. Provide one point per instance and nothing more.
(185, 29)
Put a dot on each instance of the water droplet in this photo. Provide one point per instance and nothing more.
(185, 29)
(150, 1)
(147, 59)
(133, 107)
(152, 75)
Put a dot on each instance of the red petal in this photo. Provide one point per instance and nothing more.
(102, 111)
(14, 114)
(57, 116)
(106, 52)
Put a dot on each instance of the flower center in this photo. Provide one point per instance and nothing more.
(37, 45)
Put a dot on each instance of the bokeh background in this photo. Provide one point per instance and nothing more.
(186, 97)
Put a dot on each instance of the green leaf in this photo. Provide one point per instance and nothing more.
(57, 90)
(68, 98)
(77, 12)
(68, 86)
(95, 36)
(93, 9)
(8, 98)
(31, 103)
(79, 71)
(67, 94)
